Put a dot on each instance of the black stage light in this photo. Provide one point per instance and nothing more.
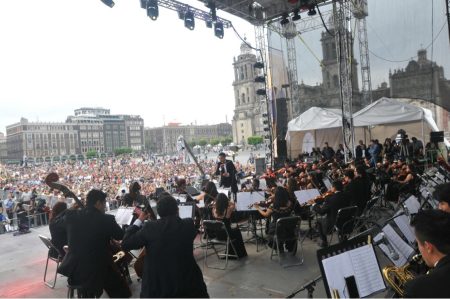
(266, 129)
(312, 11)
(181, 15)
(218, 29)
(209, 23)
(152, 9)
(285, 20)
(189, 21)
(258, 65)
(261, 92)
(296, 16)
(260, 79)
(110, 3)
(143, 4)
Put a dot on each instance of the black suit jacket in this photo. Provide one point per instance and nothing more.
(433, 285)
(229, 181)
(170, 269)
(89, 232)
(59, 235)
(330, 208)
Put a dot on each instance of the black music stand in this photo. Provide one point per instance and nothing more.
(358, 249)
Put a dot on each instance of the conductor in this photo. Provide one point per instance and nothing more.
(225, 168)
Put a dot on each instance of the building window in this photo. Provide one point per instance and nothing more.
(335, 81)
(243, 98)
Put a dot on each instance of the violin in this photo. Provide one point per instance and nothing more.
(321, 197)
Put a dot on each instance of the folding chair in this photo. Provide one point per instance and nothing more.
(47, 242)
(345, 222)
(287, 229)
(214, 228)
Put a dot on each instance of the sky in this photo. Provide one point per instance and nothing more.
(60, 55)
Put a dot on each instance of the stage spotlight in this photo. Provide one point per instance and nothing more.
(209, 23)
(143, 4)
(296, 16)
(260, 79)
(312, 11)
(285, 20)
(261, 92)
(258, 65)
(110, 3)
(152, 9)
(218, 29)
(189, 21)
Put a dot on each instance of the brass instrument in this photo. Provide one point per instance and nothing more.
(396, 277)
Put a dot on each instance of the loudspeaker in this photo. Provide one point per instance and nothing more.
(436, 137)
(260, 166)
(281, 149)
(282, 118)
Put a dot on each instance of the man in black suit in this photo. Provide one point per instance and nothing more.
(89, 262)
(442, 195)
(432, 229)
(225, 168)
(330, 208)
(170, 269)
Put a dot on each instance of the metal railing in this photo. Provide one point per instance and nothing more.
(14, 224)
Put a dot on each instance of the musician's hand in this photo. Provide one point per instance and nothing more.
(143, 216)
(311, 201)
(226, 174)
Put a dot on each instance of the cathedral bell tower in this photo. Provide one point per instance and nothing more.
(247, 113)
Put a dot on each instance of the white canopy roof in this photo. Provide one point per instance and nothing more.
(316, 118)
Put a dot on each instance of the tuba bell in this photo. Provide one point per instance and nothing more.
(397, 277)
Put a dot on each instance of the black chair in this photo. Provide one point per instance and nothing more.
(287, 229)
(52, 251)
(214, 228)
(345, 223)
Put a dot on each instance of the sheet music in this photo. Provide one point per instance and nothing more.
(401, 261)
(185, 211)
(397, 242)
(361, 263)
(403, 224)
(201, 204)
(327, 183)
(124, 215)
(412, 204)
(304, 195)
(246, 199)
(223, 190)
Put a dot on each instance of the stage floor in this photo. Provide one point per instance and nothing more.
(23, 262)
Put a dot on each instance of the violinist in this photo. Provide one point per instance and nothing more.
(403, 182)
(330, 208)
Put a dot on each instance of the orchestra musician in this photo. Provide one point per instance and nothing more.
(57, 230)
(89, 262)
(432, 230)
(442, 195)
(330, 208)
(170, 269)
(227, 171)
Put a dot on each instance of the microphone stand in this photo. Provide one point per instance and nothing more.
(309, 286)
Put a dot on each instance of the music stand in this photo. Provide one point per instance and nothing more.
(351, 269)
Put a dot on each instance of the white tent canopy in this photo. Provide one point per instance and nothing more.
(379, 120)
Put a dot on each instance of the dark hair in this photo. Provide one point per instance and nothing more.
(349, 173)
(211, 189)
(292, 186)
(58, 208)
(221, 204)
(95, 195)
(338, 185)
(281, 198)
(167, 206)
(222, 154)
(135, 187)
(361, 171)
(433, 226)
(442, 193)
(162, 194)
(255, 183)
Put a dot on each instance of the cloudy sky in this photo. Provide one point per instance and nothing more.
(59, 55)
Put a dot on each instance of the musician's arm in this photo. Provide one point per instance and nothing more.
(116, 231)
(134, 237)
(217, 169)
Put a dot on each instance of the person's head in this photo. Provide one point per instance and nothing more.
(326, 144)
(361, 142)
(255, 184)
(96, 199)
(361, 171)
(211, 189)
(222, 157)
(167, 206)
(432, 229)
(222, 202)
(337, 186)
(58, 208)
(134, 188)
(442, 195)
(349, 174)
(281, 197)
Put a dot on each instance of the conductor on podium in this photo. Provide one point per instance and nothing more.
(225, 168)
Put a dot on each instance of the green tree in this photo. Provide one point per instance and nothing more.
(215, 141)
(202, 142)
(91, 154)
(122, 150)
(192, 143)
(254, 140)
(226, 140)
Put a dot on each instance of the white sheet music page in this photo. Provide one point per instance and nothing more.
(185, 211)
(367, 271)
(403, 224)
(401, 261)
(247, 199)
(304, 195)
(336, 269)
(124, 215)
(397, 242)
(412, 204)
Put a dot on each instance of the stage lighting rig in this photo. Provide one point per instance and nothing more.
(143, 4)
(218, 29)
(152, 9)
(189, 20)
(109, 3)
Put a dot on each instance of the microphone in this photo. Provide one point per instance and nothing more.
(392, 252)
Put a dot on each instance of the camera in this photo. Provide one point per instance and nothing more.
(401, 136)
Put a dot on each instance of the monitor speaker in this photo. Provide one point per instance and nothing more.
(260, 166)
(436, 137)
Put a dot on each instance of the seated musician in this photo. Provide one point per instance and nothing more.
(432, 229)
(89, 263)
(330, 207)
(170, 269)
(208, 195)
(57, 230)
(442, 195)
(281, 207)
(403, 182)
(223, 209)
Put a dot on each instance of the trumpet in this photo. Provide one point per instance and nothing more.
(396, 277)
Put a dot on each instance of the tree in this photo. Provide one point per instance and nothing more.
(215, 141)
(202, 142)
(192, 143)
(123, 150)
(91, 154)
(254, 140)
(226, 140)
